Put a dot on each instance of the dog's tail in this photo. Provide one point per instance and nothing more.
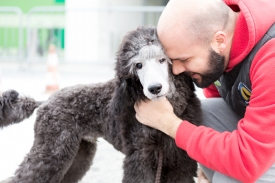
(14, 108)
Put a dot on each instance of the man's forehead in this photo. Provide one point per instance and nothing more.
(174, 43)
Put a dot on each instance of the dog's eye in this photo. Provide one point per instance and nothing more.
(162, 60)
(139, 65)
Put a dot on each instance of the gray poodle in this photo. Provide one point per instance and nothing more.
(70, 121)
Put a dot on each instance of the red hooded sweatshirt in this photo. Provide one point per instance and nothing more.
(248, 152)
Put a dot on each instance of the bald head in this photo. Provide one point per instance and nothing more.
(196, 20)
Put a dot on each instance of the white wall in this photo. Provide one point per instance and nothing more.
(95, 36)
(81, 30)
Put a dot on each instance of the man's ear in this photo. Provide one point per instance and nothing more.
(219, 42)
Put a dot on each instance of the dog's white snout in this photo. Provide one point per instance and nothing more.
(155, 88)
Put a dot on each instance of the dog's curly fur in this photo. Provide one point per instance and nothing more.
(70, 121)
(10, 113)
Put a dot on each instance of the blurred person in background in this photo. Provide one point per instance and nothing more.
(228, 48)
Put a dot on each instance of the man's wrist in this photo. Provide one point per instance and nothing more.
(171, 125)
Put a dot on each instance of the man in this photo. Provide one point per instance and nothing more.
(210, 40)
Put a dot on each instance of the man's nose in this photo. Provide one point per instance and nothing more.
(178, 68)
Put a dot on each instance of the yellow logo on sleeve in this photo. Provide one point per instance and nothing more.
(245, 92)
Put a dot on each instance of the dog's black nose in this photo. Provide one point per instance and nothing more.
(155, 89)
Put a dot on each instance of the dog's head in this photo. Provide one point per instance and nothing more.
(142, 68)
(141, 60)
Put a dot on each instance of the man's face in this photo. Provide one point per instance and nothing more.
(199, 61)
(213, 71)
(204, 69)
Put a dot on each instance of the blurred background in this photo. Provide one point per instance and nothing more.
(46, 45)
(83, 31)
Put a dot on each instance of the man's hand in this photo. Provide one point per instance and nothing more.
(158, 114)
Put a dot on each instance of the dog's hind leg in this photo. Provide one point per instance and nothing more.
(81, 163)
(50, 157)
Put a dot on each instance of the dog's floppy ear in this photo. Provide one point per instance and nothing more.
(120, 98)
(127, 92)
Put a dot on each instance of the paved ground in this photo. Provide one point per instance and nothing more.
(16, 140)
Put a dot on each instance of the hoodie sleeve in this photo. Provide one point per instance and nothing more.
(248, 152)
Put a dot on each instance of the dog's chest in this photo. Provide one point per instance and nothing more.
(147, 142)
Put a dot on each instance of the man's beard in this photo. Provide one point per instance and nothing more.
(215, 70)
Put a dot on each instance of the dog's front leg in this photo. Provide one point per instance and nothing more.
(136, 171)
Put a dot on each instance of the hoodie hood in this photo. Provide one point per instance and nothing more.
(254, 19)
